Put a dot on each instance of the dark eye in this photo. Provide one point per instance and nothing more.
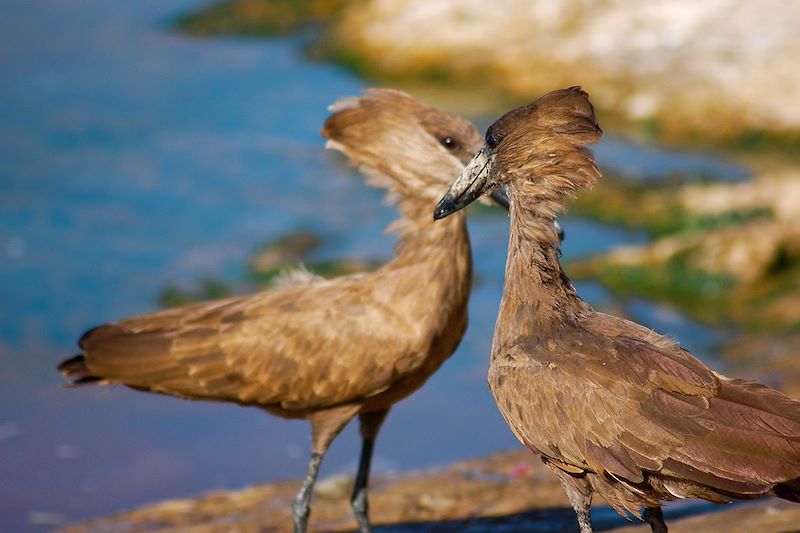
(449, 143)
(492, 139)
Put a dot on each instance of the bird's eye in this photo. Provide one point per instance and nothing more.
(449, 143)
(492, 139)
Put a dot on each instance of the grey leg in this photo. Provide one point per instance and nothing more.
(325, 425)
(581, 502)
(654, 517)
(359, 497)
(301, 508)
(370, 424)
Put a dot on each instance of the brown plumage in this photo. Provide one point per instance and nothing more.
(324, 350)
(611, 406)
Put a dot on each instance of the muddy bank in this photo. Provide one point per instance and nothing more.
(506, 490)
(498, 485)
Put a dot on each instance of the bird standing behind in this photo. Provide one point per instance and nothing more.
(611, 406)
(324, 350)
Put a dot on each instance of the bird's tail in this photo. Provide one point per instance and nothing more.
(75, 370)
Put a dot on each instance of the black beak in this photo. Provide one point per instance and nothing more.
(469, 186)
(446, 206)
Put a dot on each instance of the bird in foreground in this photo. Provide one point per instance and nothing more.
(611, 406)
(315, 349)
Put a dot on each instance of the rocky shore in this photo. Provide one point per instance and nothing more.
(725, 253)
(722, 70)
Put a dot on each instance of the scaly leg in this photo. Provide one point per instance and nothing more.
(325, 426)
(370, 424)
(301, 508)
(579, 493)
(654, 517)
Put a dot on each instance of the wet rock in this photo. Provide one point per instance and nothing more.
(334, 487)
(257, 17)
(723, 70)
(676, 63)
(725, 252)
(285, 250)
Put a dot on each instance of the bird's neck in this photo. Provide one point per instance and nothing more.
(537, 292)
(430, 277)
(421, 240)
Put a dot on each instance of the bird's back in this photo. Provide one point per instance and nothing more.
(292, 349)
(644, 418)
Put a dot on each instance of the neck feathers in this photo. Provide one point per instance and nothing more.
(551, 181)
(538, 292)
(420, 238)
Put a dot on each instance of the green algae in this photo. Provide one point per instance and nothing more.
(284, 253)
(701, 294)
(174, 295)
(763, 304)
(257, 18)
(655, 208)
(769, 303)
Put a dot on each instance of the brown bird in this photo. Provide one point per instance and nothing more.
(324, 350)
(611, 406)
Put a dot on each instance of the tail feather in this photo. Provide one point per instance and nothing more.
(75, 370)
(86, 335)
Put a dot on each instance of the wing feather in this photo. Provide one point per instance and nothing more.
(628, 407)
(288, 346)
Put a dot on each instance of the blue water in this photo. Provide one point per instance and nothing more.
(642, 162)
(131, 157)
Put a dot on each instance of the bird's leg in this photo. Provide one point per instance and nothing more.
(579, 493)
(325, 426)
(301, 508)
(370, 424)
(654, 517)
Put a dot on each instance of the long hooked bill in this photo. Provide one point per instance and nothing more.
(469, 186)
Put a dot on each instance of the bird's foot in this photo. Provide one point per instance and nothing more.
(361, 510)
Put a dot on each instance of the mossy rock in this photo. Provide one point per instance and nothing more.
(257, 17)
(279, 255)
(655, 208)
(207, 289)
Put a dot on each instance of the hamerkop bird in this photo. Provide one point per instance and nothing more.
(611, 406)
(324, 350)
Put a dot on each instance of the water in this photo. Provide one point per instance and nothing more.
(641, 162)
(131, 157)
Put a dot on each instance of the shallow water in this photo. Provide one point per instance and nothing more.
(131, 157)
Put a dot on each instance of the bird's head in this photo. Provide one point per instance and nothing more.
(401, 144)
(542, 143)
